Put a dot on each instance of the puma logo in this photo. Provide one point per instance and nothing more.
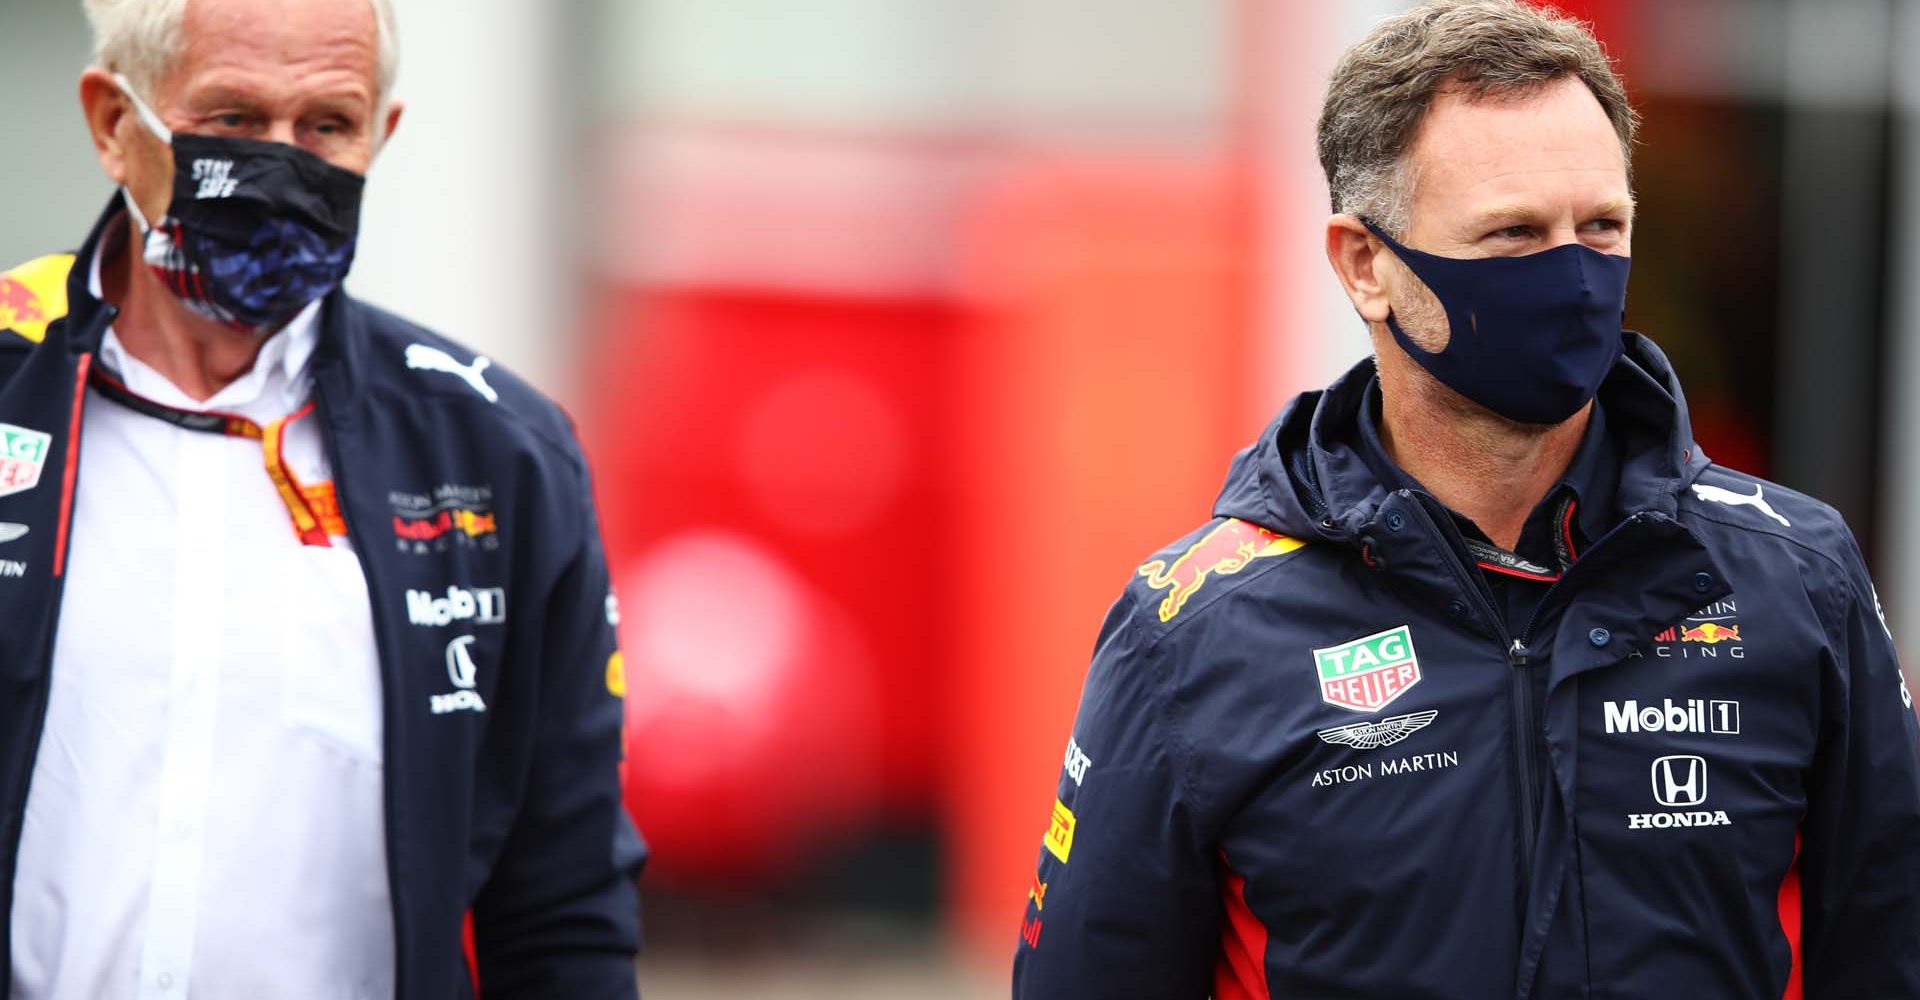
(434, 359)
(1732, 499)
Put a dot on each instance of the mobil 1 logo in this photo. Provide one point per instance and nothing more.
(477, 606)
(1693, 715)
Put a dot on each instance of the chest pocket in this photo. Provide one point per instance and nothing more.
(329, 667)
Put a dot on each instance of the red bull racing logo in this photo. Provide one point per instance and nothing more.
(424, 523)
(1224, 551)
(1706, 633)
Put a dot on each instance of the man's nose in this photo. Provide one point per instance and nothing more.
(281, 131)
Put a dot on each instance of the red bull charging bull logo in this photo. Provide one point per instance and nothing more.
(34, 295)
(1224, 551)
(18, 304)
(1705, 634)
(1710, 633)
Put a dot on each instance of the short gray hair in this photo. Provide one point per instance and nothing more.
(141, 38)
(1382, 87)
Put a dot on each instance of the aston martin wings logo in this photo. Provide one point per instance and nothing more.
(1374, 735)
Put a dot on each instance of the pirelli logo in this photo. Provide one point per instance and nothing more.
(1059, 839)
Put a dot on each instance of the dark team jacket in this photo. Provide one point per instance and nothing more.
(1310, 761)
(513, 813)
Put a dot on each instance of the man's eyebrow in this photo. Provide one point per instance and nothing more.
(1514, 215)
(342, 99)
(222, 96)
(1503, 216)
(1616, 206)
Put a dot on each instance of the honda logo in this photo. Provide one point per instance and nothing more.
(1680, 781)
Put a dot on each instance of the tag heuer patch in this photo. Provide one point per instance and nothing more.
(23, 453)
(1366, 675)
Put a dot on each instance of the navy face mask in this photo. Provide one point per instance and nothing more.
(256, 230)
(1531, 338)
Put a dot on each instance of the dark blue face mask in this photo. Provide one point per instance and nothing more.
(255, 231)
(1531, 337)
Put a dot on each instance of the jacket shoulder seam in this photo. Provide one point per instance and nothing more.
(565, 444)
(1757, 529)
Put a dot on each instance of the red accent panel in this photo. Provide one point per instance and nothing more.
(72, 471)
(1790, 920)
(1241, 973)
(473, 955)
(1566, 530)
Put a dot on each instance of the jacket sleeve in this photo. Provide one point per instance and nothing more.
(1860, 852)
(559, 915)
(1125, 902)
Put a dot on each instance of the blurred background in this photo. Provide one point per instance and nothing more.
(901, 330)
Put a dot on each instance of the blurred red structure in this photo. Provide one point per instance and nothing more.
(1105, 394)
(767, 467)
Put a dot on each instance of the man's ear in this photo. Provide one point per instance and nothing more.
(1357, 257)
(105, 108)
(386, 128)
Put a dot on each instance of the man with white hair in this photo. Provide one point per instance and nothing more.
(1484, 681)
(307, 653)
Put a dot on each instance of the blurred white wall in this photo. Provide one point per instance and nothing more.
(51, 187)
(1900, 483)
(1311, 334)
(1068, 69)
(465, 224)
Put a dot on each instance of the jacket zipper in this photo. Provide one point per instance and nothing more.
(1533, 785)
(360, 551)
(1521, 688)
(1525, 725)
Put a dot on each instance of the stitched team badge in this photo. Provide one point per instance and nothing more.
(1368, 674)
(23, 453)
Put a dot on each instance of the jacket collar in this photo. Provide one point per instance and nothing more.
(1590, 480)
(334, 354)
(1307, 475)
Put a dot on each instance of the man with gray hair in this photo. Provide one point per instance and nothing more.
(1484, 681)
(307, 653)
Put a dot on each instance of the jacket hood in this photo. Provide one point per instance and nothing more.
(1305, 476)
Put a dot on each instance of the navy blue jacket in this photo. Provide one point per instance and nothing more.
(513, 813)
(1311, 759)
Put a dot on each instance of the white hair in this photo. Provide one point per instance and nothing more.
(141, 38)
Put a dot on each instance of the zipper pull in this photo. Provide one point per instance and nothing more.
(1518, 654)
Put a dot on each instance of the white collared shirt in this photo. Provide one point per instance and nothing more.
(206, 817)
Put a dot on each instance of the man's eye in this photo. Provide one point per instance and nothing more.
(231, 120)
(1514, 232)
(334, 128)
(1606, 225)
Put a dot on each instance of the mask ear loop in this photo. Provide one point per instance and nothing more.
(160, 131)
